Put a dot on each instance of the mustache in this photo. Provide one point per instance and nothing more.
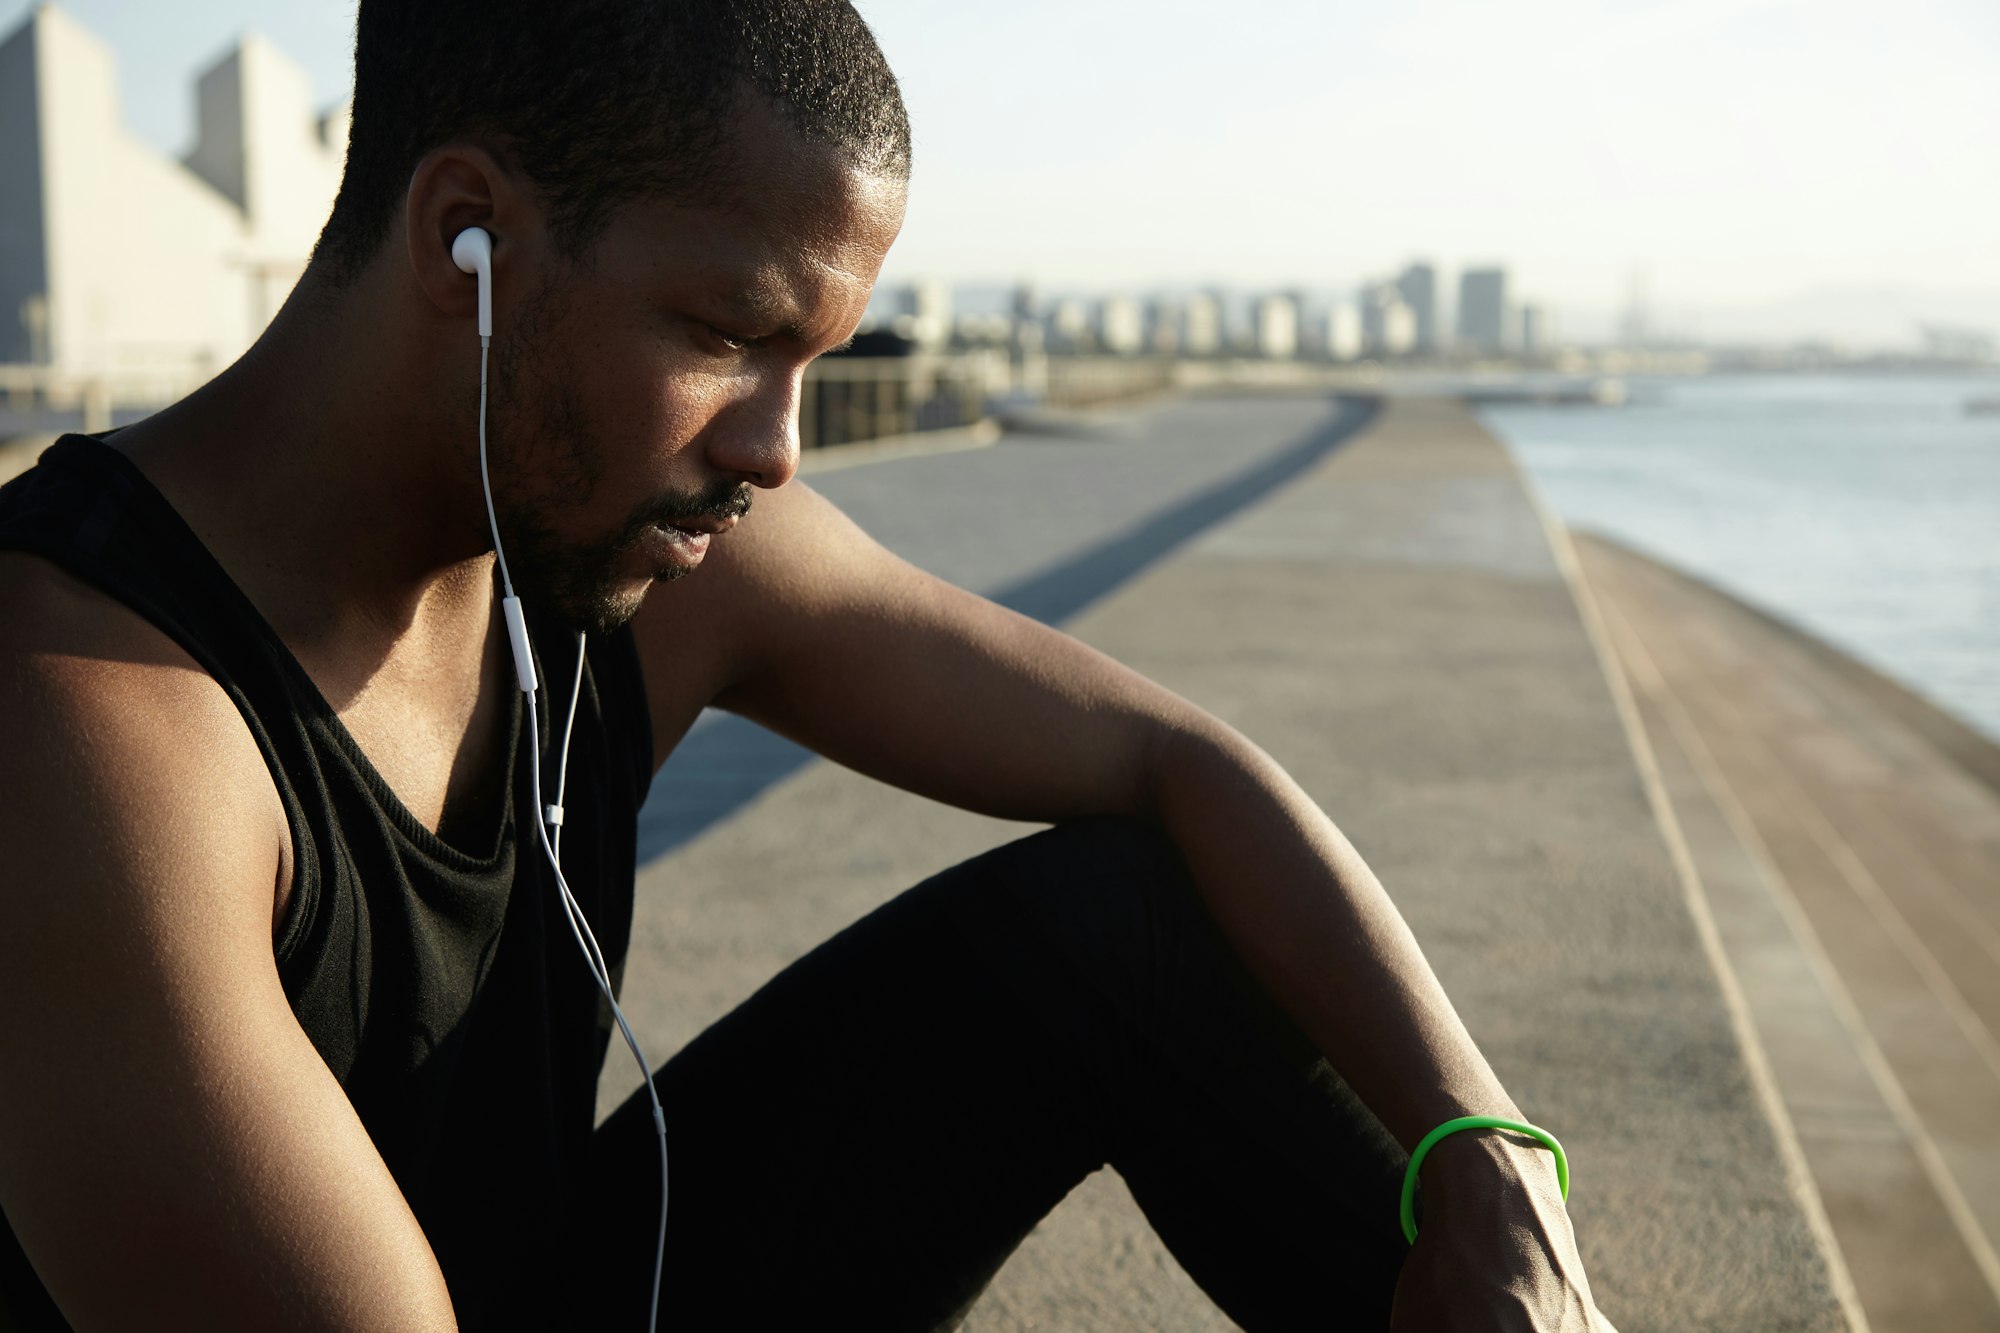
(725, 499)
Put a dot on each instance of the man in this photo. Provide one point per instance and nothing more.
(290, 1033)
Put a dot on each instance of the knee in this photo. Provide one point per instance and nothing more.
(1120, 847)
(1125, 908)
(1113, 893)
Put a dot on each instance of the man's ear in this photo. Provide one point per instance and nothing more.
(460, 185)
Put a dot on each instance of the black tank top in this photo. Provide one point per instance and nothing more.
(451, 1004)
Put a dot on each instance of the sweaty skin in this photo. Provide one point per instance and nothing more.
(331, 471)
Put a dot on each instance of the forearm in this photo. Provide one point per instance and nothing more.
(1315, 926)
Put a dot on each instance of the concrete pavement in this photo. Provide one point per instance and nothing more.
(1393, 626)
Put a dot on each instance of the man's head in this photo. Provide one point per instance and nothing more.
(689, 199)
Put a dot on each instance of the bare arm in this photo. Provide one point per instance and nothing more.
(890, 671)
(173, 1151)
(853, 652)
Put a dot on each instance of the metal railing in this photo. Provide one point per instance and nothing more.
(844, 399)
(851, 398)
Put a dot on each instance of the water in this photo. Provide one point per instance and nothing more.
(1865, 509)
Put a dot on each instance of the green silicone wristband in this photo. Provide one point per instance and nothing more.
(1546, 1139)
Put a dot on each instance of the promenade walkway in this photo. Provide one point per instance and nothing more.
(1390, 619)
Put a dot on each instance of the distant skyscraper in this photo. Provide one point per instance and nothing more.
(1277, 327)
(1025, 340)
(1482, 309)
(1069, 326)
(1201, 327)
(1535, 331)
(1021, 302)
(1343, 331)
(1418, 288)
(1388, 325)
(1307, 340)
(923, 313)
(1163, 327)
(1121, 325)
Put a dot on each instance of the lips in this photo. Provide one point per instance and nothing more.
(665, 547)
(704, 527)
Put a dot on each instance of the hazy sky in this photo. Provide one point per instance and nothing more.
(1738, 150)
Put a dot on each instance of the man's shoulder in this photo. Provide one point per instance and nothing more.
(87, 683)
(55, 626)
(43, 605)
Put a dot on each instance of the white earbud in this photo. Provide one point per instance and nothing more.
(472, 251)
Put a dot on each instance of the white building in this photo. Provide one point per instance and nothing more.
(1388, 324)
(1201, 325)
(923, 313)
(1163, 326)
(1343, 331)
(1277, 327)
(1121, 325)
(118, 261)
(1069, 326)
(1418, 287)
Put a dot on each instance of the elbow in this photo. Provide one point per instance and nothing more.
(1188, 751)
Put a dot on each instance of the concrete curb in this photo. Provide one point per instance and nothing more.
(917, 444)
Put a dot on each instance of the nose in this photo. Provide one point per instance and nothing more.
(757, 437)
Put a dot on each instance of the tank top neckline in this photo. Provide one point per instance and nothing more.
(420, 836)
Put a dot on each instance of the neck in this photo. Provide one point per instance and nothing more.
(333, 470)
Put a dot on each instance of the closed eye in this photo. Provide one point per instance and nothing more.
(733, 341)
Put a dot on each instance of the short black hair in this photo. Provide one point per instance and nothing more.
(598, 102)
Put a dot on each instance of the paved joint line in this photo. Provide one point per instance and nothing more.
(1723, 793)
(1867, 888)
(1837, 704)
(1791, 1154)
(1944, 893)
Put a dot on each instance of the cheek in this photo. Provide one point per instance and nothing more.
(648, 397)
(661, 410)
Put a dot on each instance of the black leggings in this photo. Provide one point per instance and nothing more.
(863, 1142)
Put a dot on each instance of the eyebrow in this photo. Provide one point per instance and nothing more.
(758, 307)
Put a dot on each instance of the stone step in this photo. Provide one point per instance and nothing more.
(1850, 866)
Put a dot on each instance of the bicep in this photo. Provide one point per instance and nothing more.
(173, 1151)
(882, 667)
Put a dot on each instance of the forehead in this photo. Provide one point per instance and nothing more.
(795, 225)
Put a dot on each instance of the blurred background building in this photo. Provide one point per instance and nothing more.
(118, 261)
(1388, 325)
(1482, 310)
(1418, 289)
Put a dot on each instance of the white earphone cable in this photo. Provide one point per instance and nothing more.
(486, 482)
(545, 816)
(555, 811)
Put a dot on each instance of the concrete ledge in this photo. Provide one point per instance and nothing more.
(1847, 863)
(1969, 749)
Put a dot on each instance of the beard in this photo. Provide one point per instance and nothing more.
(542, 437)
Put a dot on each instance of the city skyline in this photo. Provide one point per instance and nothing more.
(1724, 148)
